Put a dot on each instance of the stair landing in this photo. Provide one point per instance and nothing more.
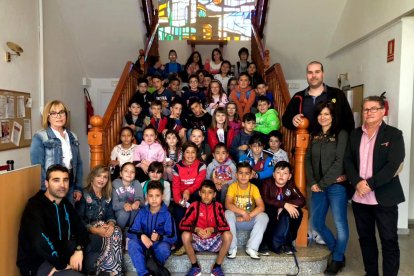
(311, 259)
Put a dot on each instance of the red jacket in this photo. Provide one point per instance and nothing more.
(213, 139)
(203, 216)
(187, 177)
(162, 124)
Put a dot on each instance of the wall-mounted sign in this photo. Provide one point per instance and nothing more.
(390, 50)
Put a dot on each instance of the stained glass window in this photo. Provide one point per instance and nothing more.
(205, 19)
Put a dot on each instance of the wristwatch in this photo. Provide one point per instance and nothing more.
(79, 248)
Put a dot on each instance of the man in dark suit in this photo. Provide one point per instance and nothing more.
(373, 161)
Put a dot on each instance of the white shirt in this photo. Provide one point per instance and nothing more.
(66, 150)
(123, 155)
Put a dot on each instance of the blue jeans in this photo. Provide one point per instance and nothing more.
(137, 251)
(335, 197)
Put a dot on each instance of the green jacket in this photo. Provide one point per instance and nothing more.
(324, 161)
(267, 122)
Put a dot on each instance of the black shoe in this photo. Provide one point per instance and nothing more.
(264, 250)
(334, 267)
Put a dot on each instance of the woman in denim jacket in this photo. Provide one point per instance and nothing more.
(104, 251)
(54, 144)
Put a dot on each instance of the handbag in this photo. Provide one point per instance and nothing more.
(154, 267)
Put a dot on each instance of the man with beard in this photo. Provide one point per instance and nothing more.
(51, 237)
(303, 102)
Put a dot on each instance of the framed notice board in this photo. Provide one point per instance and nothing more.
(15, 119)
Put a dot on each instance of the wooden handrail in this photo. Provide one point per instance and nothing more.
(104, 134)
(148, 9)
(259, 16)
(260, 55)
(276, 82)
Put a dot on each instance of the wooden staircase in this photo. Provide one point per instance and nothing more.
(104, 133)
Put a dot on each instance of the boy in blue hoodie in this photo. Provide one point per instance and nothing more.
(153, 227)
(259, 160)
(240, 143)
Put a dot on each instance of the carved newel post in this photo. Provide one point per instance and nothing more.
(302, 142)
(95, 141)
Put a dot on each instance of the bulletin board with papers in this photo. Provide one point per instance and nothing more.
(15, 119)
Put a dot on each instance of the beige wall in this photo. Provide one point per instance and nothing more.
(360, 18)
(18, 23)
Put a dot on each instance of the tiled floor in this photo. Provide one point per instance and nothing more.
(354, 265)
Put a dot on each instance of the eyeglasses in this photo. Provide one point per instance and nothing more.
(59, 114)
(372, 109)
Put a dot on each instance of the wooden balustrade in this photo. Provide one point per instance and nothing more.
(302, 142)
(298, 142)
(104, 134)
(149, 12)
(276, 82)
(259, 54)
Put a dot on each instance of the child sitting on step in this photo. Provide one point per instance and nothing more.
(245, 211)
(283, 202)
(206, 229)
(153, 228)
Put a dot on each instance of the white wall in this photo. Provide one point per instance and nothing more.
(230, 51)
(405, 118)
(18, 23)
(63, 72)
(360, 18)
(366, 63)
(101, 91)
(297, 32)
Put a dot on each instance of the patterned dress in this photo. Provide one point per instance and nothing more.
(96, 212)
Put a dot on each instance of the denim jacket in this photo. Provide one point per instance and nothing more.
(46, 150)
(92, 209)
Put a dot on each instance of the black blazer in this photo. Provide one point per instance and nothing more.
(388, 158)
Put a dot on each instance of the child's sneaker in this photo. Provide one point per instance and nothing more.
(194, 271)
(289, 250)
(264, 251)
(232, 253)
(317, 238)
(252, 253)
(126, 243)
(217, 271)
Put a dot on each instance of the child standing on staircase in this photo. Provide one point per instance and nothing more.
(205, 229)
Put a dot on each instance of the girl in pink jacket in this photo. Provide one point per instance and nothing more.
(148, 151)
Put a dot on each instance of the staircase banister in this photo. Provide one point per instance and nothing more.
(283, 84)
(259, 42)
(151, 38)
(117, 95)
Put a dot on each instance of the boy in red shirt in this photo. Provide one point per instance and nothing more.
(205, 228)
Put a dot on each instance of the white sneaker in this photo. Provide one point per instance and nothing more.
(232, 253)
(252, 253)
(317, 238)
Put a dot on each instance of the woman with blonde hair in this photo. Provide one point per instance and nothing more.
(56, 144)
(104, 252)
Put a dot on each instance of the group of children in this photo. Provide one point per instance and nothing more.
(202, 167)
